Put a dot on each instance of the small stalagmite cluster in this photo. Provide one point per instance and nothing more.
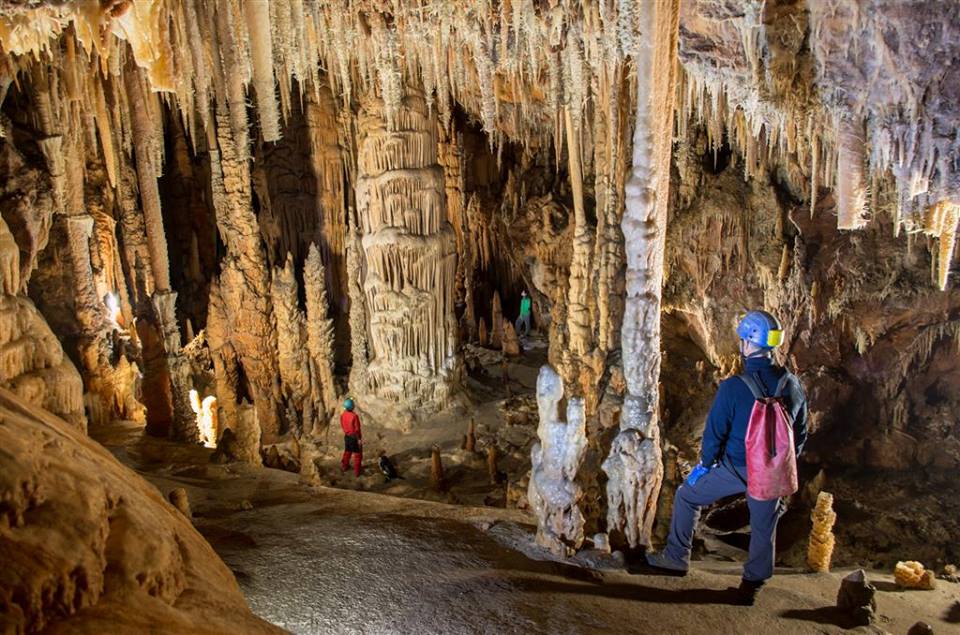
(554, 493)
(913, 575)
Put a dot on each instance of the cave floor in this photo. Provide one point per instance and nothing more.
(323, 560)
(502, 408)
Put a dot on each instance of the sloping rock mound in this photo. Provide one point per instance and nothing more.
(88, 546)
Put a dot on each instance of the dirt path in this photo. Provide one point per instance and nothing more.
(324, 560)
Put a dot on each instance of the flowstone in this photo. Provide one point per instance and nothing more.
(553, 492)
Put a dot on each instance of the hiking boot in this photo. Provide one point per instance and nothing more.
(747, 592)
(663, 562)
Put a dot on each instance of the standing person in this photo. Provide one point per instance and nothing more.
(526, 304)
(352, 438)
(722, 470)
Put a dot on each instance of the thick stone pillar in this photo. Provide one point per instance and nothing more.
(634, 466)
(410, 253)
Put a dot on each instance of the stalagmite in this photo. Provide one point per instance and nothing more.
(244, 284)
(493, 472)
(913, 575)
(359, 379)
(320, 338)
(183, 424)
(437, 480)
(410, 255)
(293, 357)
(553, 492)
(241, 442)
(820, 549)
(470, 441)
(206, 413)
(496, 330)
(634, 466)
(510, 342)
(483, 338)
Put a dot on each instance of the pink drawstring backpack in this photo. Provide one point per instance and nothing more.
(771, 454)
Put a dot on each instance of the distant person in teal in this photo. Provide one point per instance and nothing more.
(526, 304)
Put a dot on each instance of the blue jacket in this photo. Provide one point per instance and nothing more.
(726, 426)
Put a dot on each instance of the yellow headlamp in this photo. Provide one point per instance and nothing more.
(774, 338)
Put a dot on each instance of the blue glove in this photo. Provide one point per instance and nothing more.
(696, 473)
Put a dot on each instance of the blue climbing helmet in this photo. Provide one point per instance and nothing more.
(761, 328)
(348, 404)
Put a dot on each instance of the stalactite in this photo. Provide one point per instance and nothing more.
(943, 220)
(634, 465)
(579, 324)
(851, 178)
(147, 173)
(610, 165)
(261, 56)
(409, 248)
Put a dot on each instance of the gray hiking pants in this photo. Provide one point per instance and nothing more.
(724, 480)
(524, 321)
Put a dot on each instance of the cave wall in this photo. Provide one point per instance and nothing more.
(863, 313)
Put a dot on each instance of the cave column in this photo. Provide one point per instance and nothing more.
(240, 301)
(409, 250)
(634, 467)
(175, 417)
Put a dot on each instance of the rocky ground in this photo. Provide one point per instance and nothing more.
(322, 560)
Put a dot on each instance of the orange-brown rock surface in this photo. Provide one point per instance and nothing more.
(90, 547)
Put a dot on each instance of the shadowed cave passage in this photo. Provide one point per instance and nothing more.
(220, 220)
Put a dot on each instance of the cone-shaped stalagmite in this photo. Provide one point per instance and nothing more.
(319, 338)
(437, 480)
(496, 331)
(820, 550)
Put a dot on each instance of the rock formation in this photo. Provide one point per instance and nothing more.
(913, 575)
(179, 499)
(553, 492)
(820, 549)
(89, 546)
(855, 598)
(634, 467)
(437, 480)
(510, 343)
(409, 249)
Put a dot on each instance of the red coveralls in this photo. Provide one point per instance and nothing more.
(350, 423)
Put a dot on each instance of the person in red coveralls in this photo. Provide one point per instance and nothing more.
(352, 439)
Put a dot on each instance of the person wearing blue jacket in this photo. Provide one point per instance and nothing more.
(722, 470)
